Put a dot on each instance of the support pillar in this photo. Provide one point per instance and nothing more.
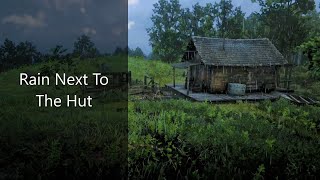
(174, 77)
(145, 82)
(277, 77)
(286, 76)
(289, 77)
(129, 78)
(188, 81)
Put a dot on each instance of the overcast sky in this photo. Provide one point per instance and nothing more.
(140, 12)
(47, 23)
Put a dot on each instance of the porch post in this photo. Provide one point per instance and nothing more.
(286, 76)
(289, 77)
(188, 81)
(275, 76)
(174, 77)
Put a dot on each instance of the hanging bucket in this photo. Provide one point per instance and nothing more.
(236, 89)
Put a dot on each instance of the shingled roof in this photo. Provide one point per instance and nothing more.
(238, 52)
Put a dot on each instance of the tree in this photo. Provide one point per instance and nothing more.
(85, 48)
(253, 27)
(166, 37)
(8, 54)
(313, 23)
(210, 16)
(152, 56)
(312, 50)
(119, 51)
(137, 53)
(173, 26)
(26, 54)
(285, 21)
(230, 21)
(224, 10)
(13, 56)
(57, 52)
(201, 20)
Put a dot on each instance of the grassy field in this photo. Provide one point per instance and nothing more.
(198, 140)
(171, 138)
(52, 143)
(161, 72)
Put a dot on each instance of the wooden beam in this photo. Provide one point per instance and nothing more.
(294, 99)
(188, 81)
(307, 102)
(174, 77)
(275, 77)
(145, 82)
(289, 77)
(285, 84)
(129, 78)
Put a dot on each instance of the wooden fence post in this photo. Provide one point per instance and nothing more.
(145, 82)
(129, 78)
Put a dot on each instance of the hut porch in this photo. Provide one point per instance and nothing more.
(202, 97)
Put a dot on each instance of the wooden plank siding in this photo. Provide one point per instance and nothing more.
(216, 78)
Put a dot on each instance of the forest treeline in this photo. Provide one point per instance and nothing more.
(14, 55)
(291, 25)
(287, 23)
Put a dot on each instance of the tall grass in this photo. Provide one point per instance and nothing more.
(198, 140)
(163, 139)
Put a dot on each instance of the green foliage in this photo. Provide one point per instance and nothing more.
(166, 139)
(254, 26)
(14, 56)
(165, 36)
(53, 143)
(199, 21)
(198, 140)
(230, 21)
(285, 23)
(173, 26)
(121, 51)
(136, 53)
(160, 71)
(314, 23)
(57, 52)
(312, 50)
(85, 48)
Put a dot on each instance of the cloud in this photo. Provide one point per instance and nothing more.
(25, 20)
(89, 31)
(131, 24)
(133, 2)
(63, 5)
(83, 10)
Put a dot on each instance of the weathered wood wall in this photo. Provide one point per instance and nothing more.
(216, 78)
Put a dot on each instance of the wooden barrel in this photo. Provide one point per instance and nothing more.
(236, 89)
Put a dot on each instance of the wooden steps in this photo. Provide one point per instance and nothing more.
(301, 100)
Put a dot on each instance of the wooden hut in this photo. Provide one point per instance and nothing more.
(212, 63)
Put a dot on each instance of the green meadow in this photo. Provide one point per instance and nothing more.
(161, 139)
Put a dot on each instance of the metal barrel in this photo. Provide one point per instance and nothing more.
(236, 89)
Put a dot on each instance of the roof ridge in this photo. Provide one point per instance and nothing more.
(229, 38)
